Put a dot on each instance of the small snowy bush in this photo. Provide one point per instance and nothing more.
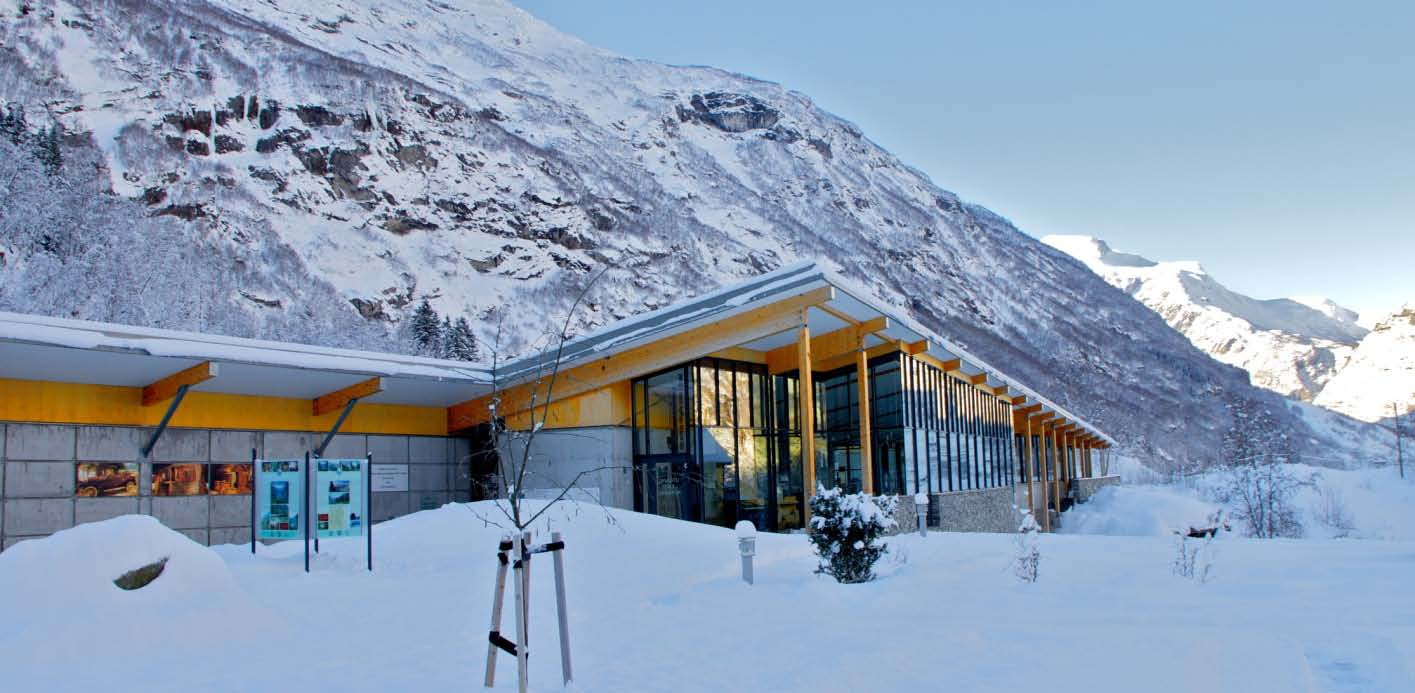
(845, 530)
(1029, 552)
(1194, 555)
(1331, 511)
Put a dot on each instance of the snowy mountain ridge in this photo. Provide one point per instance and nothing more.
(1379, 379)
(1290, 346)
(315, 170)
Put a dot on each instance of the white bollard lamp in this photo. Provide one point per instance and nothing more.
(747, 545)
(921, 511)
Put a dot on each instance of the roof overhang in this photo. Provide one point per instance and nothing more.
(76, 351)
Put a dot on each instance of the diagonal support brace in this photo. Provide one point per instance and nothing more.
(166, 418)
(348, 407)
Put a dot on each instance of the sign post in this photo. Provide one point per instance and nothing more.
(342, 500)
(280, 500)
(307, 508)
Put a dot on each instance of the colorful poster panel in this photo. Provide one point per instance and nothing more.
(94, 479)
(232, 479)
(279, 498)
(339, 498)
(178, 479)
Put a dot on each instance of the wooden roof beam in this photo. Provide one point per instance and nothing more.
(336, 400)
(842, 341)
(166, 388)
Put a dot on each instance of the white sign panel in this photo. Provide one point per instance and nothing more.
(390, 477)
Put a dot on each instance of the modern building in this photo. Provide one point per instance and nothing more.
(694, 411)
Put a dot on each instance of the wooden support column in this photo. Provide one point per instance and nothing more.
(1043, 483)
(862, 376)
(1057, 472)
(1031, 463)
(807, 415)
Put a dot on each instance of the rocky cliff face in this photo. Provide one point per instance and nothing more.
(470, 155)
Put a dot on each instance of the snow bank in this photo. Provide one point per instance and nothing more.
(1145, 511)
(54, 587)
(658, 604)
(1369, 503)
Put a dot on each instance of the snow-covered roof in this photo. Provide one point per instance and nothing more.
(61, 350)
(846, 298)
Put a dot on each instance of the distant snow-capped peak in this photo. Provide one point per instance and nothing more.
(1289, 345)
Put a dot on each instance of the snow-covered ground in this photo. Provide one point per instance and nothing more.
(656, 605)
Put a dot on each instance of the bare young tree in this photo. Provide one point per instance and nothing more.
(513, 440)
(1258, 481)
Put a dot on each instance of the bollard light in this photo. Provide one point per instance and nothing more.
(921, 511)
(747, 544)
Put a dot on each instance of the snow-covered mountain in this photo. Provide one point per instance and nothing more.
(310, 170)
(1290, 346)
(1380, 373)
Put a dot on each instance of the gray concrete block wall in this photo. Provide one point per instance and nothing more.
(38, 466)
(603, 453)
(983, 510)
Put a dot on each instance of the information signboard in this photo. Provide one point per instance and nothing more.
(390, 477)
(340, 493)
(279, 499)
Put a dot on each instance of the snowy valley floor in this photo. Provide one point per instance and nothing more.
(657, 606)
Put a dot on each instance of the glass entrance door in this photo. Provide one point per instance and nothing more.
(664, 485)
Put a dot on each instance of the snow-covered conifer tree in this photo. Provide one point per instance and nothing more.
(461, 344)
(425, 329)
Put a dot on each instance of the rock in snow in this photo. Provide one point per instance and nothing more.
(346, 160)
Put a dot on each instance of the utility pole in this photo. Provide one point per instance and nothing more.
(1399, 450)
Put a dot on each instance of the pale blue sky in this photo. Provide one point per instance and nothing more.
(1272, 141)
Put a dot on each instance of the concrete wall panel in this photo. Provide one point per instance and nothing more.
(230, 511)
(233, 446)
(41, 442)
(388, 449)
(109, 443)
(345, 446)
(182, 445)
(280, 445)
(424, 450)
(188, 512)
(230, 535)
(387, 506)
(40, 479)
(95, 509)
(25, 516)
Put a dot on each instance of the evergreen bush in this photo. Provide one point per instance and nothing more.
(846, 531)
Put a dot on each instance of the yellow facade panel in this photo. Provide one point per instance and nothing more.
(38, 401)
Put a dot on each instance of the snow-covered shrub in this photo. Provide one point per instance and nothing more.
(1029, 553)
(1194, 549)
(1258, 482)
(1331, 511)
(846, 531)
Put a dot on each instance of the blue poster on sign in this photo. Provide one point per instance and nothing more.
(339, 497)
(279, 498)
